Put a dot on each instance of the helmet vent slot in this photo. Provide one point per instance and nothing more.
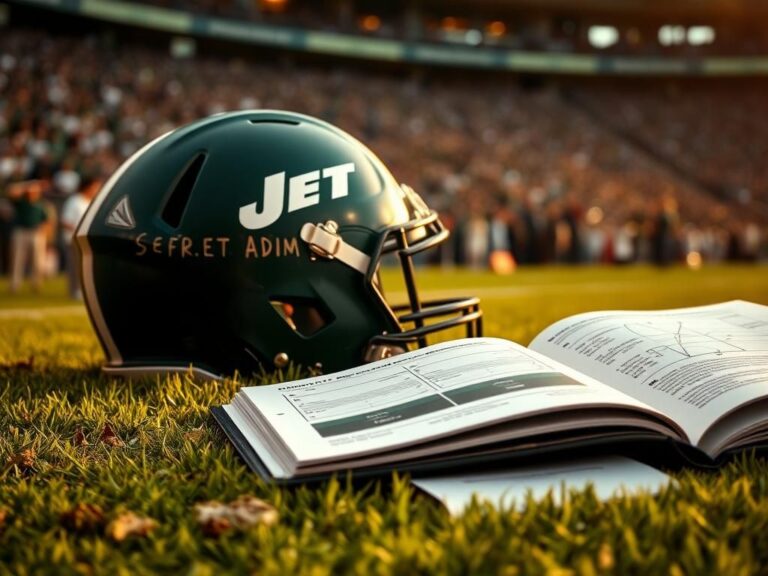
(177, 201)
(274, 121)
(304, 315)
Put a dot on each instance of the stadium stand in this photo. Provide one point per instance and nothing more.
(713, 135)
(572, 171)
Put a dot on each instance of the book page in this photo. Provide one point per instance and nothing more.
(694, 364)
(608, 475)
(418, 396)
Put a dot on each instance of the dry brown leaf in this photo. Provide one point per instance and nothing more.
(250, 510)
(25, 459)
(83, 518)
(194, 435)
(605, 559)
(130, 524)
(109, 437)
(215, 517)
(3, 516)
(213, 521)
(79, 438)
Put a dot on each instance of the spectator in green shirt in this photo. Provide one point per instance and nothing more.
(27, 235)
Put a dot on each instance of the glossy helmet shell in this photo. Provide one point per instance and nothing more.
(192, 253)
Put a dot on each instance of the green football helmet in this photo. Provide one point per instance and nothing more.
(250, 239)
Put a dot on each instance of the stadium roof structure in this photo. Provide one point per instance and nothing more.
(180, 22)
(671, 8)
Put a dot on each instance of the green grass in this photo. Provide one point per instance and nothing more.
(171, 455)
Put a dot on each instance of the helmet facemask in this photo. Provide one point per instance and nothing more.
(417, 318)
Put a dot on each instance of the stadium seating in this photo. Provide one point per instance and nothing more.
(564, 179)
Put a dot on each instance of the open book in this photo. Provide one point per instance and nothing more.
(693, 378)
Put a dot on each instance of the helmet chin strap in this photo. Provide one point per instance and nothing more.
(324, 241)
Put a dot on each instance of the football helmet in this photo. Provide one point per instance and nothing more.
(251, 239)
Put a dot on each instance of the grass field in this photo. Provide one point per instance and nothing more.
(71, 437)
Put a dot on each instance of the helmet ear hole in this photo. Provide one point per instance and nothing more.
(303, 315)
(177, 201)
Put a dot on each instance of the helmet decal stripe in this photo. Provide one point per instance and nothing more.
(86, 256)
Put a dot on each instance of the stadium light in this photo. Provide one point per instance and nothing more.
(451, 24)
(274, 5)
(602, 36)
(473, 37)
(700, 35)
(496, 29)
(370, 23)
(670, 35)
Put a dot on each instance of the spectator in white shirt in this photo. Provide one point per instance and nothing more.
(71, 214)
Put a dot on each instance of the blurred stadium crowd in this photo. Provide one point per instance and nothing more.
(604, 176)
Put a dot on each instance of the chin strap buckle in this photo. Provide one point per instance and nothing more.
(325, 241)
(322, 239)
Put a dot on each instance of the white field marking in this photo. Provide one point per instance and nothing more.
(42, 313)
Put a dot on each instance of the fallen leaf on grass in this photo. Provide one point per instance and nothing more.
(3, 516)
(109, 437)
(24, 460)
(605, 560)
(215, 517)
(194, 435)
(130, 524)
(79, 438)
(83, 518)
